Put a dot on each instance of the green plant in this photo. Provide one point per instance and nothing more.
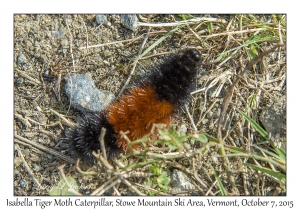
(63, 189)
(279, 155)
(219, 183)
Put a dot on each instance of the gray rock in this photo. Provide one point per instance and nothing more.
(20, 80)
(85, 95)
(47, 73)
(57, 34)
(101, 19)
(181, 181)
(107, 53)
(21, 59)
(130, 22)
(272, 121)
(64, 43)
(182, 130)
(36, 167)
(23, 183)
(273, 118)
(17, 161)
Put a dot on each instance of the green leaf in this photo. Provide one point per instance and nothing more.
(272, 173)
(281, 153)
(253, 51)
(257, 127)
(155, 169)
(212, 138)
(163, 181)
(209, 27)
(201, 137)
(172, 138)
(281, 20)
(252, 17)
(185, 16)
(55, 191)
(237, 150)
(219, 183)
(279, 156)
(165, 134)
(252, 40)
(62, 188)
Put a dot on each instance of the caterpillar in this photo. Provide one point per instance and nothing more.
(156, 98)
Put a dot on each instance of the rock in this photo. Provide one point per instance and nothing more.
(21, 59)
(17, 161)
(181, 181)
(57, 34)
(107, 53)
(64, 43)
(273, 118)
(36, 168)
(182, 130)
(20, 80)
(101, 19)
(130, 21)
(23, 183)
(85, 95)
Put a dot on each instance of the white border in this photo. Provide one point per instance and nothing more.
(118, 6)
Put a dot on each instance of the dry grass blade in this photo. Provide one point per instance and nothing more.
(228, 97)
(190, 21)
(28, 77)
(26, 166)
(67, 122)
(134, 65)
(225, 104)
(46, 149)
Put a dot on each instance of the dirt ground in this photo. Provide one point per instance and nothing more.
(48, 48)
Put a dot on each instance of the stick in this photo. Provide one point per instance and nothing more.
(46, 149)
(26, 165)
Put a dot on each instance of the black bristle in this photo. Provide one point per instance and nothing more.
(175, 77)
(84, 138)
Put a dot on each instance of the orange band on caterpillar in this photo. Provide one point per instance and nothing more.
(136, 112)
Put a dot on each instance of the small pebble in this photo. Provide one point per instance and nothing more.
(17, 161)
(85, 95)
(20, 80)
(36, 167)
(57, 34)
(64, 43)
(181, 181)
(130, 22)
(101, 19)
(21, 59)
(107, 53)
(64, 50)
(23, 183)
(26, 152)
(47, 73)
(182, 129)
(16, 172)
